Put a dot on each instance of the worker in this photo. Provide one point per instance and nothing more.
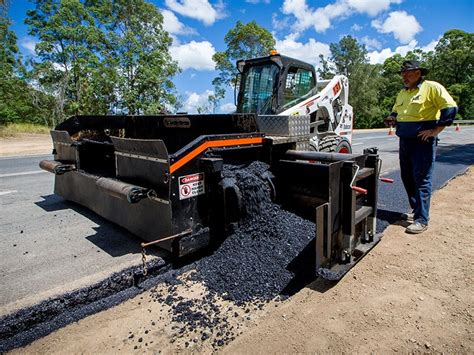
(422, 110)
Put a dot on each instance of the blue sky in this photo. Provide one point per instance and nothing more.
(303, 29)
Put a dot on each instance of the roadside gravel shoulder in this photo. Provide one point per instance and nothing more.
(26, 144)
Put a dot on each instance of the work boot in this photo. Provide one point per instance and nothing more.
(409, 217)
(416, 228)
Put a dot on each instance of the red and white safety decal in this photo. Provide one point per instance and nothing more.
(191, 185)
(336, 88)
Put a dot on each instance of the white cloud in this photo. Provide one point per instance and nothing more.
(320, 18)
(173, 26)
(372, 7)
(196, 100)
(195, 55)
(200, 10)
(371, 43)
(431, 46)
(278, 24)
(378, 57)
(227, 108)
(308, 52)
(403, 26)
(355, 27)
(29, 44)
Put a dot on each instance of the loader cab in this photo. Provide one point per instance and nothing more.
(270, 85)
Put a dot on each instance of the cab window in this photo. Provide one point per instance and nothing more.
(299, 82)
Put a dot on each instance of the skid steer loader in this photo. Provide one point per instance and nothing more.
(285, 86)
(160, 177)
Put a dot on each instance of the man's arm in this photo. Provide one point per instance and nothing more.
(447, 116)
(446, 119)
(391, 120)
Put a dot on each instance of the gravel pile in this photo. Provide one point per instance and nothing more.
(267, 256)
(258, 260)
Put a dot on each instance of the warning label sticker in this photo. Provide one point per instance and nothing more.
(191, 185)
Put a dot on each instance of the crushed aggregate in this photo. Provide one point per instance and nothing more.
(254, 261)
(251, 267)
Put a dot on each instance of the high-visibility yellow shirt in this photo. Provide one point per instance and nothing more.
(419, 108)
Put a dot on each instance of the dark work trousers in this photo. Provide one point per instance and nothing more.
(416, 168)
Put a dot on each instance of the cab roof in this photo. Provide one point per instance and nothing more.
(281, 60)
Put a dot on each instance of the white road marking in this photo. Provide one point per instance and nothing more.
(23, 173)
(374, 137)
(353, 144)
(7, 192)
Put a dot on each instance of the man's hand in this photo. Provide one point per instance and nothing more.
(390, 121)
(425, 135)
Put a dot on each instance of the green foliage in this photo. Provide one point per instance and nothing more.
(19, 102)
(325, 70)
(101, 56)
(136, 54)
(373, 88)
(348, 57)
(68, 38)
(453, 66)
(244, 41)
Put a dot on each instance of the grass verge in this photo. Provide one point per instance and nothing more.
(14, 129)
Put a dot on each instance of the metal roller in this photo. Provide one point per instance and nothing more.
(56, 167)
(116, 188)
(317, 156)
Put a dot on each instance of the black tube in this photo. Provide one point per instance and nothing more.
(320, 156)
(49, 165)
(119, 189)
(56, 167)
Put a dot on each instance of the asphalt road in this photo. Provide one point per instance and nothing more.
(51, 246)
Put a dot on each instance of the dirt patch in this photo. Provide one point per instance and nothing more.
(410, 294)
(26, 144)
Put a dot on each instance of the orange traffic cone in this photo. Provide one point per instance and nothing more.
(391, 131)
(457, 127)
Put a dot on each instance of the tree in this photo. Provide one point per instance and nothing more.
(453, 66)
(100, 56)
(9, 65)
(67, 49)
(244, 41)
(348, 57)
(391, 83)
(136, 50)
(19, 102)
(325, 69)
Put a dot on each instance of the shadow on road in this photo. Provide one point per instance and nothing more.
(53, 203)
(456, 154)
(110, 238)
(391, 217)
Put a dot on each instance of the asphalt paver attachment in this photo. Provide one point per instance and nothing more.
(163, 178)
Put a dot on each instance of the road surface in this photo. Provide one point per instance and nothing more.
(51, 246)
